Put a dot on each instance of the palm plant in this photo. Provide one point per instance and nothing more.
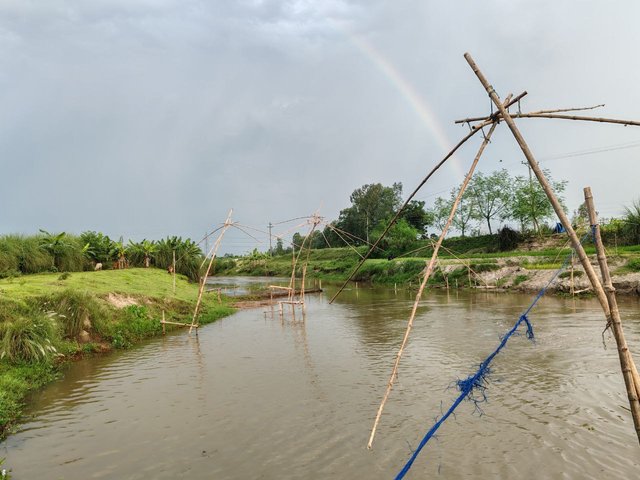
(632, 223)
(56, 245)
(142, 252)
(97, 246)
(119, 251)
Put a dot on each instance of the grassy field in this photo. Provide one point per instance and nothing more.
(48, 319)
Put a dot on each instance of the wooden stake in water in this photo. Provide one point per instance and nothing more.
(627, 365)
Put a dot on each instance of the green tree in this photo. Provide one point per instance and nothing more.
(97, 246)
(279, 250)
(491, 195)
(464, 215)
(400, 238)
(417, 217)
(530, 204)
(370, 205)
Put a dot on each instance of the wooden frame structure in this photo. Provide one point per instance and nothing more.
(605, 295)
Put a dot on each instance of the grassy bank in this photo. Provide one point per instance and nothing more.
(459, 261)
(48, 319)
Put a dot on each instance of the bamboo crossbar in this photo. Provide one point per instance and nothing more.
(540, 112)
(195, 325)
(280, 288)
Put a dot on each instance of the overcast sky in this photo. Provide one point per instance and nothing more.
(145, 118)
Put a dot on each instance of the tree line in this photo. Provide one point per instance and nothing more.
(489, 200)
(63, 252)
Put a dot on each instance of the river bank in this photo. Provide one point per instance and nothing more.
(522, 271)
(49, 320)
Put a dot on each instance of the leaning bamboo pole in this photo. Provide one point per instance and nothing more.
(577, 246)
(627, 365)
(227, 224)
(557, 207)
(425, 278)
(413, 194)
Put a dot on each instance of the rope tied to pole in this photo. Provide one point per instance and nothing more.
(473, 388)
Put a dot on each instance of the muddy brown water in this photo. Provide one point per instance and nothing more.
(254, 397)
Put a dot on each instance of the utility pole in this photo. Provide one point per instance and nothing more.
(270, 237)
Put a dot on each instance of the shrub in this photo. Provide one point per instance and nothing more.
(519, 279)
(25, 339)
(72, 309)
(634, 264)
(508, 239)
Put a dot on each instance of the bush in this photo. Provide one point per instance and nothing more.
(72, 308)
(634, 264)
(508, 239)
(24, 339)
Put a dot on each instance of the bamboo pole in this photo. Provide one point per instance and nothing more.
(164, 332)
(576, 117)
(427, 273)
(557, 110)
(627, 364)
(227, 224)
(413, 194)
(575, 241)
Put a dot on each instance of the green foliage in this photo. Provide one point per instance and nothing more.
(491, 195)
(634, 264)
(519, 279)
(371, 205)
(484, 267)
(64, 249)
(418, 217)
(188, 256)
(15, 382)
(396, 271)
(134, 324)
(142, 254)
(631, 228)
(530, 206)
(400, 238)
(4, 473)
(508, 239)
(28, 339)
(72, 309)
(465, 212)
(97, 247)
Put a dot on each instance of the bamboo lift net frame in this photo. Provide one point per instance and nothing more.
(605, 294)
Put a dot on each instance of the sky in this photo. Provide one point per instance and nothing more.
(143, 118)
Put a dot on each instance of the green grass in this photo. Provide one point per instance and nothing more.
(42, 317)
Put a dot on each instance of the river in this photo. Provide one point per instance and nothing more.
(259, 397)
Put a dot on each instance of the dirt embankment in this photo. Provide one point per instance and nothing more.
(520, 278)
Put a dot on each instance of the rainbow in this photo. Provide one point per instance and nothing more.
(424, 111)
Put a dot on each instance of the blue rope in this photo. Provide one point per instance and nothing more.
(477, 381)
